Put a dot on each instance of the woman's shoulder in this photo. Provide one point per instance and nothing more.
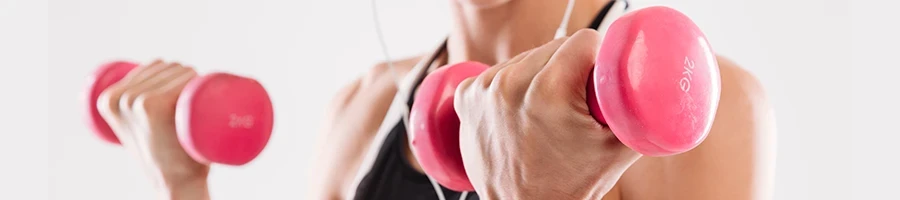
(352, 120)
(734, 161)
(378, 79)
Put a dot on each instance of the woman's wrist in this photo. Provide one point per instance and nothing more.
(185, 189)
(583, 187)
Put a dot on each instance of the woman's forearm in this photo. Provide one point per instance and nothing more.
(185, 190)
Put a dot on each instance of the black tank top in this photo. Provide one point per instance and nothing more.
(392, 176)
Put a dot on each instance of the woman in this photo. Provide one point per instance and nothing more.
(366, 152)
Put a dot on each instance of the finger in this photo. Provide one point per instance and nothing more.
(518, 58)
(569, 68)
(485, 78)
(526, 68)
(150, 71)
(490, 73)
(141, 72)
(154, 104)
(460, 96)
(516, 79)
(159, 103)
(126, 102)
(108, 104)
(142, 68)
(174, 71)
(110, 98)
(174, 87)
(139, 84)
(542, 54)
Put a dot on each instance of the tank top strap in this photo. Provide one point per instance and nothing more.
(400, 104)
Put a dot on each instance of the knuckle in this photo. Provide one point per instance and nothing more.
(585, 38)
(487, 77)
(168, 64)
(463, 95)
(156, 61)
(554, 44)
(502, 79)
(464, 85)
(505, 88)
(190, 70)
(584, 32)
(155, 105)
(108, 101)
(484, 80)
(145, 103)
(126, 100)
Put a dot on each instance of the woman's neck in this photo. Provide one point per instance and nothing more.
(497, 33)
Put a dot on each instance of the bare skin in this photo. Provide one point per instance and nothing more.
(734, 162)
(140, 109)
(363, 103)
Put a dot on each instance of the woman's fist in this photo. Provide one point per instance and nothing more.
(140, 109)
(526, 131)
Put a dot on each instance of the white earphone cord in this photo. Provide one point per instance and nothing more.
(560, 32)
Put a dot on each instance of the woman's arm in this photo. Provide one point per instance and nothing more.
(331, 166)
(195, 189)
(352, 120)
(736, 161)
(140, 109)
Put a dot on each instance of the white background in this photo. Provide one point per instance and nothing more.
(829, 68)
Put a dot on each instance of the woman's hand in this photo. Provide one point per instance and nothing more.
(526, 132)
(140, 109)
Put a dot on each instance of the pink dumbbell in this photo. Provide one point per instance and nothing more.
(220, 117)
(655, 84)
